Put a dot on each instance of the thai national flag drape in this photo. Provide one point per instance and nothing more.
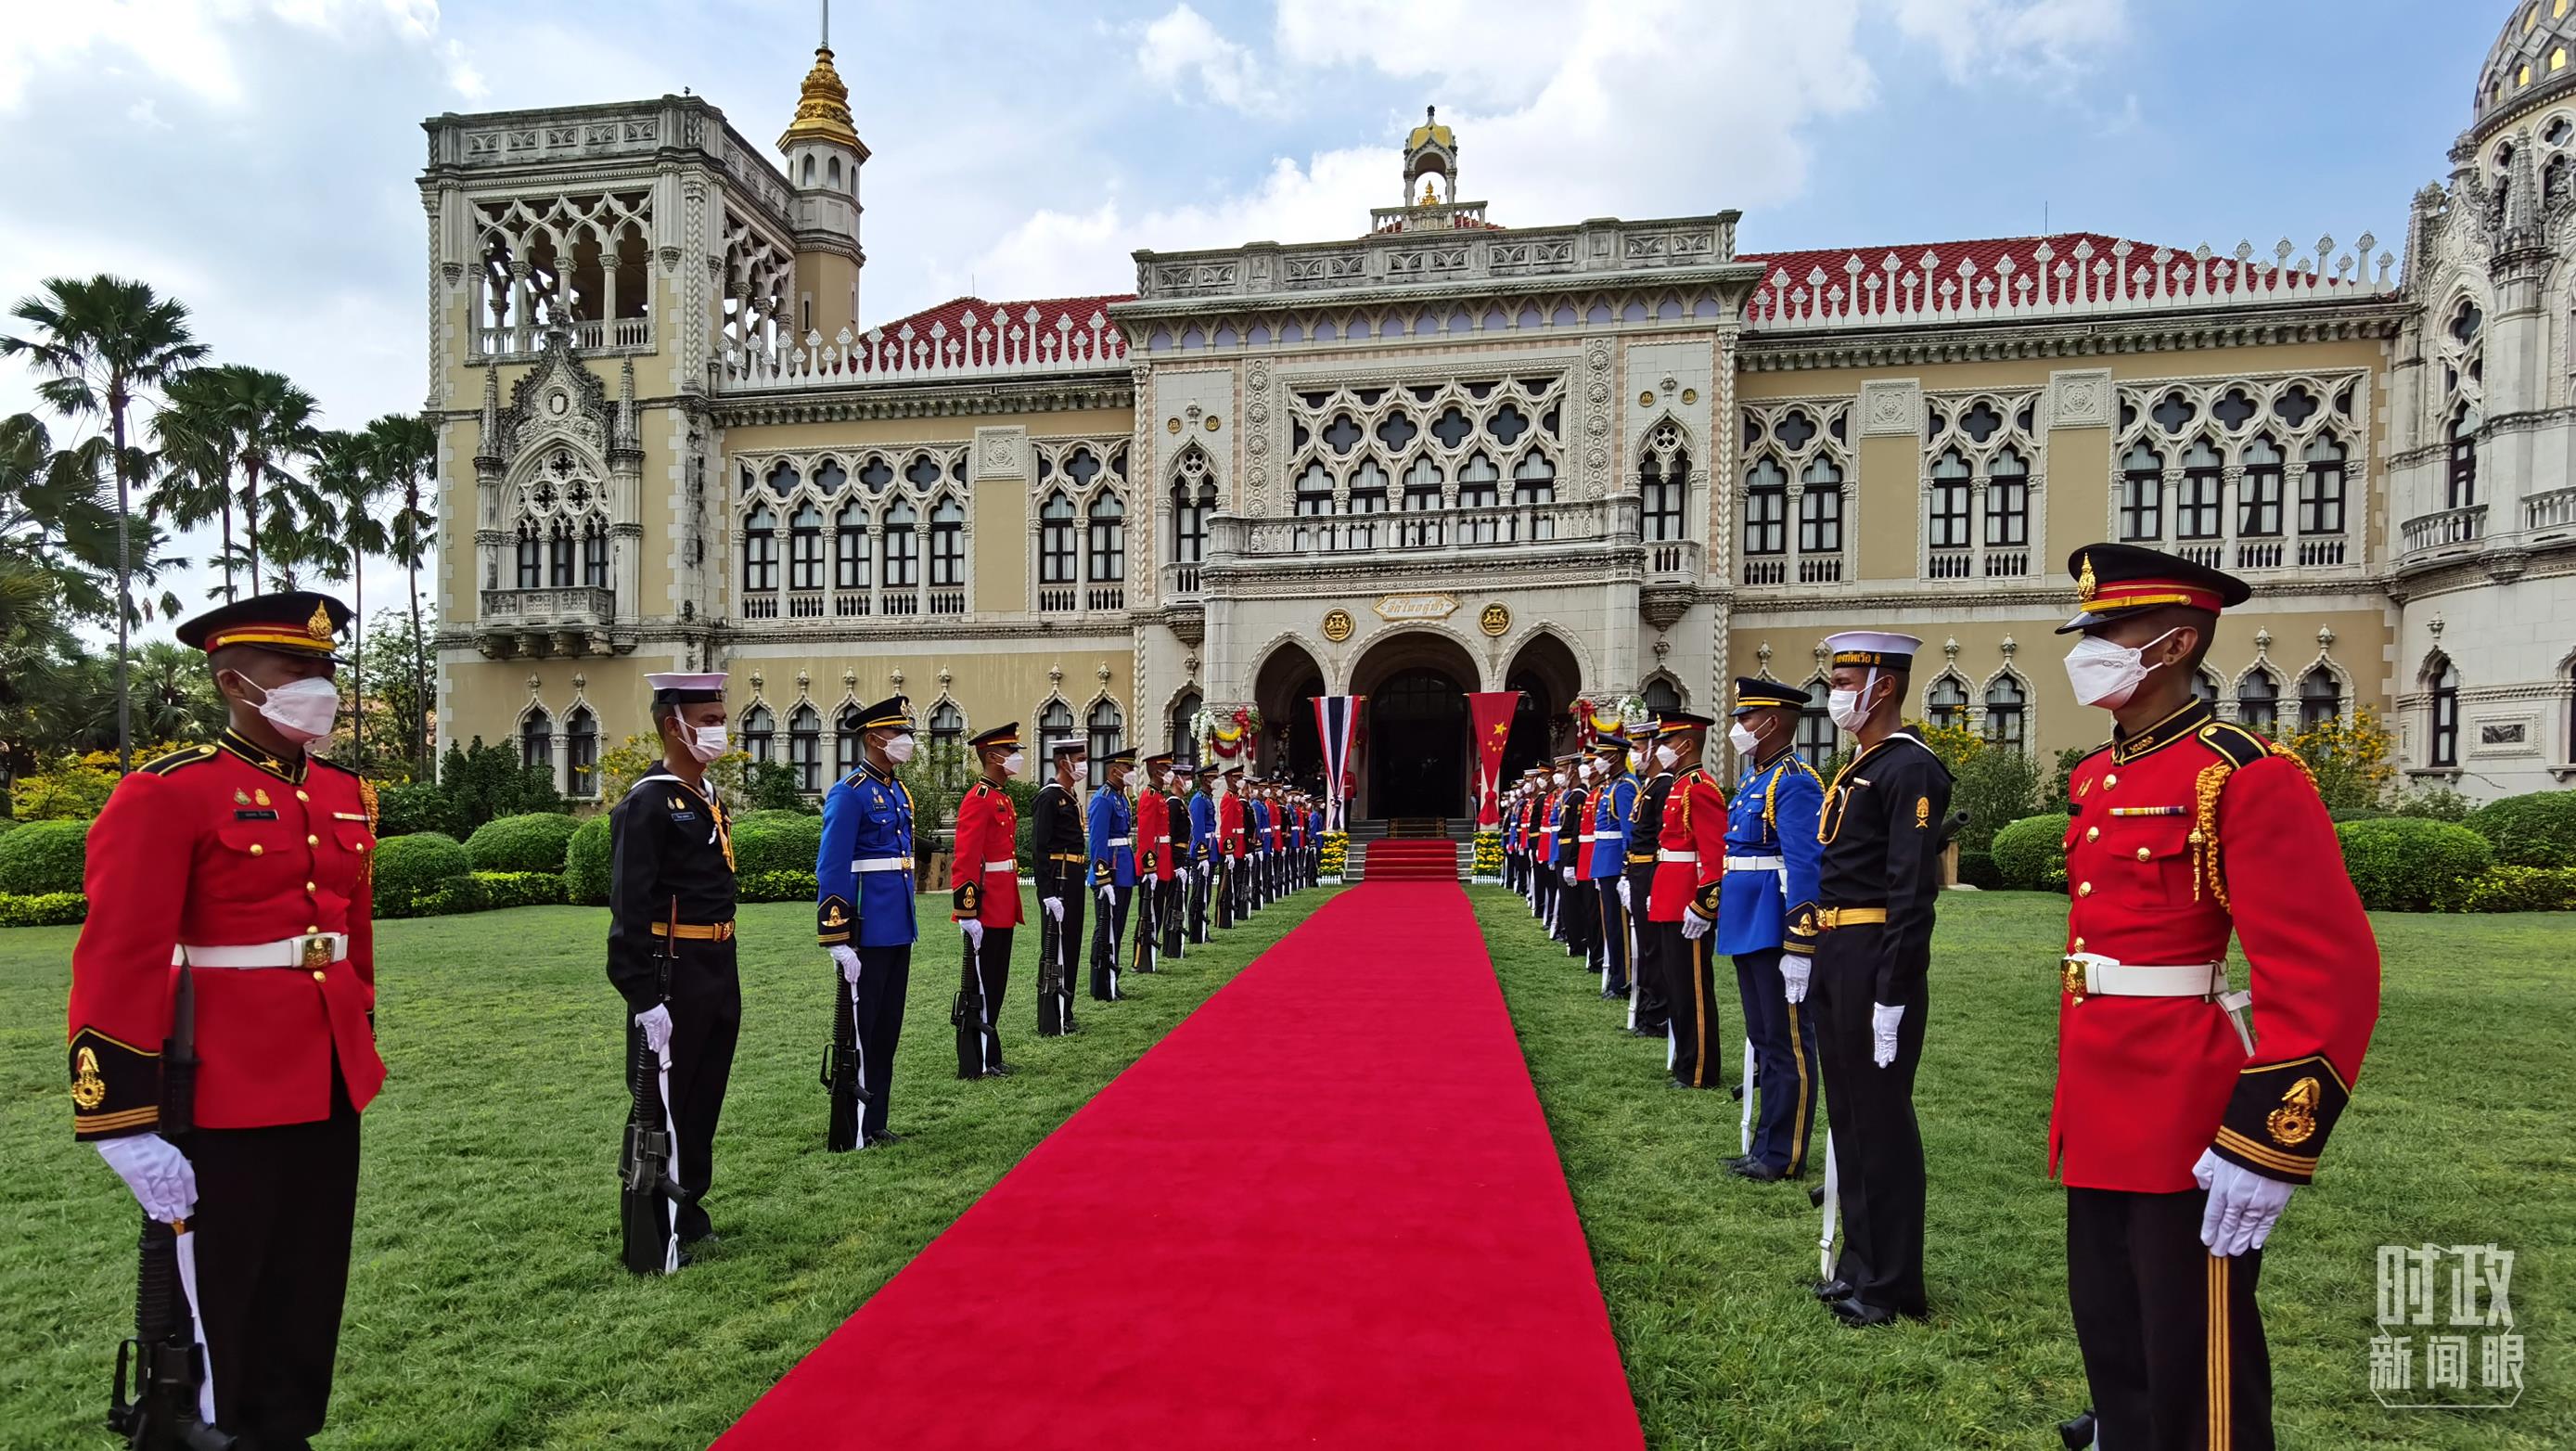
(1492, 712)
(1336, 720)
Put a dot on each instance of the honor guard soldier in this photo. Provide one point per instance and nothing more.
(1769, 883)
(864, 882)
(1552, 850)
(221, 1035)
(671, 957)
(1646, 1000)
(1612, 804)
(1690, 861)
(2179, 1126)
(1259, 824)
(1172, 864)
(1153, 858)
(1113, 870)
(984, 891)
(1233, 848)
(1575, 899)
(1511, 816)
(1063, 870)
(1203, 847)
(1884, 822)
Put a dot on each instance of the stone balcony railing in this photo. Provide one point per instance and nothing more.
(997, 345)
(565, 620)
(2551, 511)
(2444, 532)
(2501, 537)
(593, 335)
(1495, 535)
(1460, 248)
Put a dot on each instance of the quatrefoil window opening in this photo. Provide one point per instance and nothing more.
(1359, 443)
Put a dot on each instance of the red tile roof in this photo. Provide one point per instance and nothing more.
(2063, 266)
(1081, 313)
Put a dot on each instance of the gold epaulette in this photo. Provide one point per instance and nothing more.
(184, 756)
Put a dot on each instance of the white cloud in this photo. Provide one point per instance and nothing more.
(2052, 41)
(146, 113)
(1183, 46)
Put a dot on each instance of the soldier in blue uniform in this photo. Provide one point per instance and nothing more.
(863, 914)
(1765, 900)
(1203, 850)
(1614, 800)
(1112, 829)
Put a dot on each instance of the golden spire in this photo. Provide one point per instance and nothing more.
(823, 108)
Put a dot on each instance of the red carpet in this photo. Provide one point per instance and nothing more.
(1410, 861)
(1325, 1211)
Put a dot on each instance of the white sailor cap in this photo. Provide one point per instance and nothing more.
(679, 688)
(1876, 648)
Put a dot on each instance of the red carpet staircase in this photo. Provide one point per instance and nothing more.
(1393, 860)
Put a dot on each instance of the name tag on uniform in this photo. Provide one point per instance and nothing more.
(684, 816)
(254, 815)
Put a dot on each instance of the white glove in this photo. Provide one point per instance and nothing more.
(1054, 908)
(656, 1023)
(974, 931)
(1624, 895)
(1794, 968)
(163, 1180)
(1569, 873)
(1694, 926)
(1109, 898)
(2243, 1205)
(848, 958)
(1882, 1032)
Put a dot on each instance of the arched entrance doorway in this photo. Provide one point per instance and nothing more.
(1282, 690)
(1417, 757)
(1545, 674)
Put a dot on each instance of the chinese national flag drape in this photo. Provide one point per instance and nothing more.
(1492, 711)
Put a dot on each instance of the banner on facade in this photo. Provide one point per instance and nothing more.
(1492, 712)
(1336, 721)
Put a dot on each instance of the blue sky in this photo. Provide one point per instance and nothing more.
(257, 157)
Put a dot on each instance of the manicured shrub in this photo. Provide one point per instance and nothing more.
(530, 843)
(2404, 864)
(2524, 889)
(770, 814)
(2342, 814)
(410, 869)
(44, 856)
(1977, 869)
(44, 909)
(1996, 786)
(775, 886)
(407, 807)
(8, 823)
(2030, 854)
(519, 889)
(2538, 830)
(456, 894)
(586, 863)
(778, 842)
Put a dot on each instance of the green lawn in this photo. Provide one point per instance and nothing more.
(486, 1307)
(2460, 1133)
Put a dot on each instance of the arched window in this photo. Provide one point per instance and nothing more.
(2007, 503)
(846, 737)
(1534, 479)
(2007, 714)
(2258, 496)
(1950, 501)
(2321, 492)
(1368, 488)
(947, 544)
(2446, 717)
(1424, 488)
(759, 733)
(560, 544)
(1055, 728)
(805, 747)
(899, 548)
(1766, 507)
(1184, 711)
(1314, 489)
(2204, 688)
(1108, 544)
(594, 555)
(1662, 697)
(1193, 500)
(1816, 736)
(760, 551)
(537, 742)
(2320, 698)
(947, 728)
(2142, 493)
(1479, 487)
(1663, 483)
(581, 752)
(2197, 507)
(2461, 478)
(531, 558)
(1946, 703)
(1107, 729)
(1055, 540)
(2258, 702)
(1820, 508)
(805, 547)
(850, 547)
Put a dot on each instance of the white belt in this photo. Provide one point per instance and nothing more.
(1670, 855)
(1011, 865)
(882, 864)
(2108, 977)
(1587, 836)
(1753, 863)
(1118, 841)
(311, 950)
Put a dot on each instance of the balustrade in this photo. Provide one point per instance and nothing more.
(1771, 570)
(2445, 528)
(1950, 564)
(2551, 510)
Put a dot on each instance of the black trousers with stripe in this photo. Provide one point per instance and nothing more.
(1878, 1143)
(2172, 1340)
(1647, 972)
(1783, 1036)
(1690, 972)
(1613, 932)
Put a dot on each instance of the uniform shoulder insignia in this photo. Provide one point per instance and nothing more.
(979, 788)
(2240, 746)
(334, 765)
(184, 756)
(2097, 750)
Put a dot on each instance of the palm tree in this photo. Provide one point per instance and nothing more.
(346, 486)
(265, 420)
(402, 449)
(196, 452)
(98, 343)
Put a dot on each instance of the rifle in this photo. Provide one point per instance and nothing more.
(1141, 951)
(170, 1402)
(844, 1068)
(1054, 1006)
(648, 1207)
(967, 1013)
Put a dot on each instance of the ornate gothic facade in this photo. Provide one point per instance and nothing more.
(1596, 459)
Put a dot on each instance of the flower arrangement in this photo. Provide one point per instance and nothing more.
(1333, 851)
(1489, 855)
(1227, 735)
(1592, 718)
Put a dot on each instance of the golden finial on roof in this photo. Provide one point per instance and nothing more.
(823, 107)
(1430, 132)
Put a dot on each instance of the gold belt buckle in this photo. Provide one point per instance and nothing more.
(317, 952)
(2070, 972)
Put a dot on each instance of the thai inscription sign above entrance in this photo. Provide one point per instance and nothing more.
(1415, 609)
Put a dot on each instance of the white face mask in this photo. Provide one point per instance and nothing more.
(2108, 674)
(706, 743)
(1665, 756)
(1011, 763)
(898, 749)
(1560, 779)
(302, 710)
(1845, 705)
(1743, 740)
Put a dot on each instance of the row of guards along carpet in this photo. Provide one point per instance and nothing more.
(1324, 1211)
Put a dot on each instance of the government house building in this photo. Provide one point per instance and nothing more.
(1437, 452)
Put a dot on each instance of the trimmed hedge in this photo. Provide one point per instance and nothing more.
(411, 869)
(408, 807)
(2030, 854)
(2406, 864)
(586, 863)
(519, 889)
(45, 909)
(2538, 830)
(777, 841)
(775, 886)
(9, 824)
(771, 815)
(530, 843)
(2524, 889)
(43, 857)
(1977, 869)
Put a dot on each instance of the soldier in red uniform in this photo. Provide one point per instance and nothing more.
(1691, 845)
(1153, 859)
(2182, 1118)
(242, 869)
(1231, 850)
(984, 883)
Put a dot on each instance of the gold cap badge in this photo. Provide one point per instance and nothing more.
(2085, 585)
(319, 627)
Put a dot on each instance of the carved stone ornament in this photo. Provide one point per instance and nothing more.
(1495, 620)
(1001, 453)
(2080, 398)
(1338, 625)
(1891, 406)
